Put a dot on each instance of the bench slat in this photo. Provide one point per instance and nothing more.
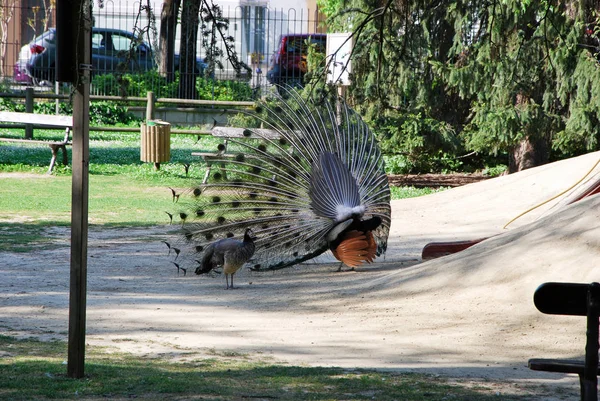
(231, 132)
(41, 119)
(33, 141)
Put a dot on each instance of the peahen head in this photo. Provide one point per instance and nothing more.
(249, 235)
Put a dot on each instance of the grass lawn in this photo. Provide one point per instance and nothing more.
(35, 370)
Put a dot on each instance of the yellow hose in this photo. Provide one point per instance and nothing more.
(555, 196)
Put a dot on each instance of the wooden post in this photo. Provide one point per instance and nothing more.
(81, 15)
(29, 109)
(150, 105)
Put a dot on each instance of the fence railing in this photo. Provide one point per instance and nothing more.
(126, 41)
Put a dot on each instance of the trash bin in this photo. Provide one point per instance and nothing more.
(155, 141)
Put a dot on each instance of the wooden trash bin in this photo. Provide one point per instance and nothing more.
(155, 144)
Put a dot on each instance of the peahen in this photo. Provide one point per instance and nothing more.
(312, 180)
(229, 253)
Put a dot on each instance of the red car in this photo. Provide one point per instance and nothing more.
(288, 63)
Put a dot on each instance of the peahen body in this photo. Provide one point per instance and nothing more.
(312, 181)
(228, 253)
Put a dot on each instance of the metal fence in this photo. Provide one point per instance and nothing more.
(125, 41)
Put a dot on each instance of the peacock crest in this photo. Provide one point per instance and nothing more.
(310, 179)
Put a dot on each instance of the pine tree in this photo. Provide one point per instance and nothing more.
(513, 76)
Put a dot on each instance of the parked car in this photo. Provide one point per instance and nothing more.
(288, 63)
(112, 51)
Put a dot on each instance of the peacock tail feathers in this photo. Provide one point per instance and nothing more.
(313, 166)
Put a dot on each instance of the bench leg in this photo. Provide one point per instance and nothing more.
(589, 389)
(64, 154)
(54, 150)
(207, 174)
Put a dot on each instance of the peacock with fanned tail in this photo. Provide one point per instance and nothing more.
(311, 180)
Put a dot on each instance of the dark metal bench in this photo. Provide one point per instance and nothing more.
(576, 300)
(42, 120)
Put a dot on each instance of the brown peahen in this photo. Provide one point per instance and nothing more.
(228, 253)
(312, 181)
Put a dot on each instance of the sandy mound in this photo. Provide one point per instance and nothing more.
(465, 315)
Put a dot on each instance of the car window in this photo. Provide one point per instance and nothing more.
(98, 41)
(298, 44)
(121, 43)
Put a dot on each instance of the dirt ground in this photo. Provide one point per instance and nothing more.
(467, 316)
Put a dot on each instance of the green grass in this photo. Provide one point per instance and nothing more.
(35, 370)
(123, 191)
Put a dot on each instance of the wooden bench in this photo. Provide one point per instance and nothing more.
(576, 300)
(48, 120)
(226, 133)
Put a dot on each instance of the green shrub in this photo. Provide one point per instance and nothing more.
(139, 84)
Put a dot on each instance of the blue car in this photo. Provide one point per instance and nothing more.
(113, 50)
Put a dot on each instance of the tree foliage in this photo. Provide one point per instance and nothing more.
(483, 75)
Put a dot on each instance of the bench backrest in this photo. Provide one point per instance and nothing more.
(579, 300)
(565, 298)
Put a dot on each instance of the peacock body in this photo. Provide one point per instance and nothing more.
(310, 181)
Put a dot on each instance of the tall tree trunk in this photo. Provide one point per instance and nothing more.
(168, 26)
(190, 21)
(530, 152)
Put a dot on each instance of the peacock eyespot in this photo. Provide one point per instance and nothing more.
(216, 199)
(247, 133)
(209, 236)
(257, 266)
(262, 147)
(199, 248)
(283, 141)
(221, 219)
(217, 176)
(252, 195)
(295, 254)
(256, 170)
(235, 204)
(264, 226)
(257, 210)
(274, 200)
(277, 109)
(229, 235)
(200, 213)
(259, 109)
(183, 216)
(240, 157)
(197, 191)
(221, 147)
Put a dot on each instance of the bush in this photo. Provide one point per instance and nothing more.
(101, 113)
(139, 84)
